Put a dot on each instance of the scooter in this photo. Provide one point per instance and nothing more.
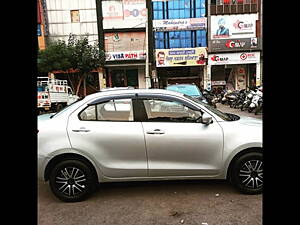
(254, 102)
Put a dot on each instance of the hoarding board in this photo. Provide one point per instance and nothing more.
(180, 24)
(233, 26)
(181, 57)
(124, 14)
(234, 58)
(125, 55)
(234, 44)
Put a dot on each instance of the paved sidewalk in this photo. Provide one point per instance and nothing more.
(227, 109)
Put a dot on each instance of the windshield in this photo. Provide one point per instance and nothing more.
(222, 115)
(189, 90)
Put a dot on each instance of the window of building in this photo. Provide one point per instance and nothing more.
(179, 9)
(180, 39)
(75, 16)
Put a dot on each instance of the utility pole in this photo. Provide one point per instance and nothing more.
(147, 75)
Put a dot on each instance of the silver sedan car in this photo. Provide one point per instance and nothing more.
(146, 134)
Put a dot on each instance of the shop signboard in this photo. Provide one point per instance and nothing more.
(234, 44)
(124, 41)
(181, 57)
(124, 13)
(234, 58)
(180, 24)
(233, 26)
(218, 82)
(125, 55)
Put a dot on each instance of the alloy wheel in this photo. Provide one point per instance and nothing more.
(70, 181)
(251, 174)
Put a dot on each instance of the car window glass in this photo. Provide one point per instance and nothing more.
(115, 110)
(169, 111)
(89, 113)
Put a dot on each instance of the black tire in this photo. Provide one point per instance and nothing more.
(59, 107)
(72, 180)
(247, 173)
(250, 110)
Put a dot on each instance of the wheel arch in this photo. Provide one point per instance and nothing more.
(238, 155)
(66, 156)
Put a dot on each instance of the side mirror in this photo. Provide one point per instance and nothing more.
(206, 119)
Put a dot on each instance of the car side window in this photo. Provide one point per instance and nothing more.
(113, 110)
(158, 110)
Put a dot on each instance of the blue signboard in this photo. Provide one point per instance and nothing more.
(39, 32)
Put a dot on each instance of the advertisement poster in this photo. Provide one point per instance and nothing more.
(234, 44)
(125, 55)
(124, 13)
(233, 26)
(240, 78)
(234, 58)
(124, 41)
(180, 24)
(181, 57)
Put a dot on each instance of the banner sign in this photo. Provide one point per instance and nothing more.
(234, 58)
(233, 26)
(124, 13)
(129, 55)
(181, 57)
(234, 44)
(180, 24)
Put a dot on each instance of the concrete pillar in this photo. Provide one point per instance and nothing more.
(258, 74)
(102, 81)
(207, 77)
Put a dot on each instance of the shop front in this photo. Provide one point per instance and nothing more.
(180, 65)
(233, 71)
(125, 75)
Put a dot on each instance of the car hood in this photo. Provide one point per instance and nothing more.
(245, 120)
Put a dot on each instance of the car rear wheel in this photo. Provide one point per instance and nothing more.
(247, 173)
(72, 180)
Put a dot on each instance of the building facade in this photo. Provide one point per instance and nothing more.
(180, 41)
(65, 17)
(122, 31)
(234, 44)
(211, 43)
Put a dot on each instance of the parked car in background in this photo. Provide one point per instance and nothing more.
(188, 89)
(131, 135)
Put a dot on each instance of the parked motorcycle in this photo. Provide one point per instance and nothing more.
(240, 99)
(211, 98)
(259, 107)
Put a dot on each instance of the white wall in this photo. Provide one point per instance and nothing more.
(59, 19)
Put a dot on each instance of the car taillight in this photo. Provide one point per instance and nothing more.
(39, 97)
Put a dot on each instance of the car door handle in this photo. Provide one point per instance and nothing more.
(81, 130)
(156, 131)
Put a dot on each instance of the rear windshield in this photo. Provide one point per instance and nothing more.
(186, 89)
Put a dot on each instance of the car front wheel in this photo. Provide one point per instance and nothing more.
(72, 180)
(247, 173)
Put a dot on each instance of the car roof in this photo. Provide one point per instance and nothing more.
(108, 92)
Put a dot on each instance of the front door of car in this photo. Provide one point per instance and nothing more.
(108, 133)
(177, 143)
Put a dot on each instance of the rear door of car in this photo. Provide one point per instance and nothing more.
(107, 131)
